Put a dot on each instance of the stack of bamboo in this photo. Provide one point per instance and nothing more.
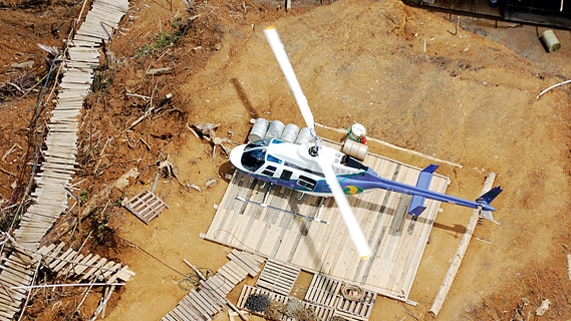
(50, 196)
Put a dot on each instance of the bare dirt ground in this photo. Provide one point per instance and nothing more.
(466, 96)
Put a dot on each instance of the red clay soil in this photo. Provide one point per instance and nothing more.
(464, 95)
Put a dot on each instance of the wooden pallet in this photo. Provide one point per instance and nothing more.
(278, 277)
(145, 205)
(358, 310)
(248, 290)
(323, 290)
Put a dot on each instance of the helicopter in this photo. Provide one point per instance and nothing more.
(314, 169)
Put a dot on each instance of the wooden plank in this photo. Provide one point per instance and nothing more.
(213, 305)
(219, 285)
(85, 263)
(168, 317)
(247, 265)
(60, 262)
(229, 275)
(181, 314)
(348, 316)
(95, 270)
(124, 274)
(69, 268)
(208, 308)
(195, 304)
(211, 296)
(188, 311)
(239, 269)
(213, 289)
(109, 268)
(146, 206)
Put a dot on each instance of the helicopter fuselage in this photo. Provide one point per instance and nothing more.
(292, 165)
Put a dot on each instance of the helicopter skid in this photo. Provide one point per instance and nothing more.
(305, 217)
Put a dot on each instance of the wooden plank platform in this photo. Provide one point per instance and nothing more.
(397, 241)
(145, 205)
(205, 301)
(73, 265)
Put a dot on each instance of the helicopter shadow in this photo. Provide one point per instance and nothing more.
(226, 171)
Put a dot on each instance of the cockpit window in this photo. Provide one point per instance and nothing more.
(254, 155)
(254, 158)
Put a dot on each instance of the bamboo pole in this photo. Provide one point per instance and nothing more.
(460, 252)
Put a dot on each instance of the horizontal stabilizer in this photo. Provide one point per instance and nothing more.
(487, 215)
(416, 211)
(416, 206)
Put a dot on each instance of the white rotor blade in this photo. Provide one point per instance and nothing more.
(283, 60)
(355, 231)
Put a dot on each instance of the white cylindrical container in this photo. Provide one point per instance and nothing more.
(356, 132)
(290, 133)
(275, 129)
(355, 149)
(259, 129)
(304, 136)
(550, 41)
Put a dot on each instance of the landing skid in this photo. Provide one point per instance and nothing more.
(305, 217)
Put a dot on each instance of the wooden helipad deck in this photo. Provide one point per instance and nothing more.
(397, 242)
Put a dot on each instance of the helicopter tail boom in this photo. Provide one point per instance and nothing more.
(416, 206)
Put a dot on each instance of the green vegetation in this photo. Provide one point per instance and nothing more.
(83, 196)
(163, 40)
(101, 81)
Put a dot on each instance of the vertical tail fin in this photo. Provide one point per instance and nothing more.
(490, 195)
(486, 199)
(416, 206)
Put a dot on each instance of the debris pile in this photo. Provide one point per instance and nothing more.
(275, 310)
(207, 132)
(257, 303)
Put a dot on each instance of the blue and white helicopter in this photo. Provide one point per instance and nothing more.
(322, 171)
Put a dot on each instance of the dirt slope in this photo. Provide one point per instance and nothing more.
(401, 72)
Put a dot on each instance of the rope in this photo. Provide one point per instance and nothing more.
(152, 256)
(192, 281)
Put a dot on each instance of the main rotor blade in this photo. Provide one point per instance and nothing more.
(355, 231)
(279, 51)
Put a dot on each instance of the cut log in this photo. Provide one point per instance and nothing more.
(462, 248)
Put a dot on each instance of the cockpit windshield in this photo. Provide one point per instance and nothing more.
(254, 155)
